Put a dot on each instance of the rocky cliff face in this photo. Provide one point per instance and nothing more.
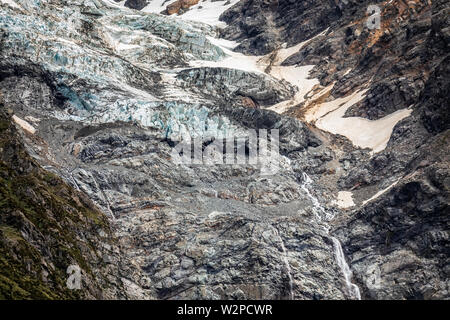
(100, 95)
(45, 227)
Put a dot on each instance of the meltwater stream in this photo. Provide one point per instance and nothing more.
(320, 213)
(352, 288)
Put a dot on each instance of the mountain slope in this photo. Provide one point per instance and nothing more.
(46, 226)
(102, 94)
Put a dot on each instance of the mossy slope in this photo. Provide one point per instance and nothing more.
(45, 226)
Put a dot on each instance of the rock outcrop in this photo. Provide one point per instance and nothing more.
(135, 4)
(45, 227)
(177, 6)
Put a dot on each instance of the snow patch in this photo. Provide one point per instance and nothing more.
(233, 60)
(297, 76)
(24, 124)
(363, 133)
(11, 3)
(344, 199)
(216, 214)
(113, 4)
(205, 11)
(209, 12)
(156, 6)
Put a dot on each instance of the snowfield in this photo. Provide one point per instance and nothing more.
(205, 11)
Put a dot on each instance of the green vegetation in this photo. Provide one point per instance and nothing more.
(42, 220)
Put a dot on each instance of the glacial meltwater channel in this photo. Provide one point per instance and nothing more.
(322, 216)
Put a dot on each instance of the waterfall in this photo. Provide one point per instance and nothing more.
(352, 288)
(320, 213)
(287, 265)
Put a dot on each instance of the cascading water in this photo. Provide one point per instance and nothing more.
(352, 288)
(317, 208)
(321, 214)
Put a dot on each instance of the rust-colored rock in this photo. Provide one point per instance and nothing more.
(250, 102)
(176, 6)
